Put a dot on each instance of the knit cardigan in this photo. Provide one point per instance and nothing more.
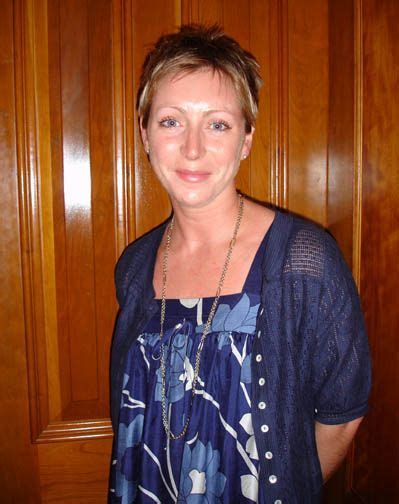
(312, 352)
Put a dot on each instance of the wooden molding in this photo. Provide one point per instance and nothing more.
(63, 431)
(123, 122)
(28, 125)
(358, 134)
(190, 11)
(278, 30)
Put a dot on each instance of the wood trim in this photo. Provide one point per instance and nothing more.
(278, 56)
(19, 478)
(64, 431)
(124, 118)
(30, 208)
(358, 144)
(119, 126)
(190, 11)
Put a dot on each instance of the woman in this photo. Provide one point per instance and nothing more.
(240, 367)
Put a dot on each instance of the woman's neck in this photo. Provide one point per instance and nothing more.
(212, 224)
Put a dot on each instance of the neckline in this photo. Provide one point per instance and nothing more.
(253, 278)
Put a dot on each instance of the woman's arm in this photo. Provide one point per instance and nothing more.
(332, 443)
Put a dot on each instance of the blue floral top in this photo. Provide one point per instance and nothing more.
(217, 460)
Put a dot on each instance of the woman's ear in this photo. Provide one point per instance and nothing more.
(246, 148)
(144, 137)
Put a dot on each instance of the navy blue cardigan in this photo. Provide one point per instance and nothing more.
(315, 360)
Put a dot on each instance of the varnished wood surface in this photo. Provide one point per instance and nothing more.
(19, 477)
(341, 141)
(377, 453)
(307, 108)
(74, 472)
(151, 201)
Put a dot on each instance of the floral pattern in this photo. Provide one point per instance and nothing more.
(128, 455)
(201, 480)
(217, 460)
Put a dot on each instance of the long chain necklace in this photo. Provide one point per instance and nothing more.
(166, 425)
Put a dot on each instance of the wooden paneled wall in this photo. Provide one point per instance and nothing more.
(377, 449)
(76, 187)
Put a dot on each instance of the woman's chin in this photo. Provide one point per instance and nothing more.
(200, 198)
(195, 199)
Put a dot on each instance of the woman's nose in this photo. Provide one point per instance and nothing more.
(193, 144)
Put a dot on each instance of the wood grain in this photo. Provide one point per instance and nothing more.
(261, 31)
(308, 108)
(377, 454)
(19, 478)
(83, 204)
(341, 117)
(152, 202)
(75, 472)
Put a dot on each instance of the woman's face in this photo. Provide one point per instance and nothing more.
(196, 137)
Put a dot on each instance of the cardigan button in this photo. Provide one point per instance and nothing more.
(262, 381)
(278, 501)
(259, 333)
(262, 405)
(258, 358)
(269, 455)
(264, 428)
(272, 479)
(261, 311)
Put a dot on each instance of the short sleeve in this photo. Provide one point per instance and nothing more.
(341, 364)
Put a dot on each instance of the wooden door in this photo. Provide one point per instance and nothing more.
(75, 188)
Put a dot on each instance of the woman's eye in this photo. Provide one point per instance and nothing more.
(220, 126)
(168, 123)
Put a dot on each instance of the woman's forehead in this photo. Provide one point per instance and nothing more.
(204, 87)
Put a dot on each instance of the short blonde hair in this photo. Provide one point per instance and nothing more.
(196, 47)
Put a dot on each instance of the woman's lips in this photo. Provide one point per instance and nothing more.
(192, 176)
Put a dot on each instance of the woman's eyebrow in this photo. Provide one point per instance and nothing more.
(207, 112)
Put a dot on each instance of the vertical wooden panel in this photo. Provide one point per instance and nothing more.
(308, 107)
(278, 87)
(18, 461)
(152, 202)
(74, 16)
(260, 34)
(341, 124)
(123, 113)
(377, 456)
(207, 12)
(239, 27)
(103, 189)
(84, 203)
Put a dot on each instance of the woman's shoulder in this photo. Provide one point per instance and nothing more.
(136, 258)
(306, 247)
